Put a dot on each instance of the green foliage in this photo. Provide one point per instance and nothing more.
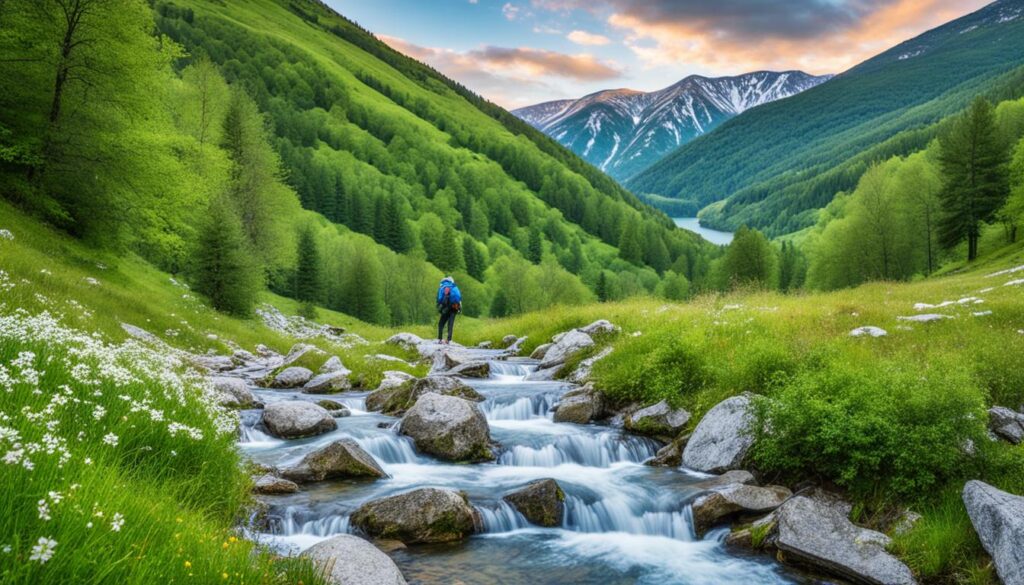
(749, 260)
(225, 271)
(656, 369)
(894, 429)
(973, 157)
(308, 272)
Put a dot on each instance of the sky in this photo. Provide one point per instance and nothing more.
(522, 52)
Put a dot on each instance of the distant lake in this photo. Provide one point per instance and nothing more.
(692, 224)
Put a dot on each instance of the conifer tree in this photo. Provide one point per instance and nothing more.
(631, 246)
(308, 284)
(602, 287)
(225, 271)
(974, 167)
(536, 246)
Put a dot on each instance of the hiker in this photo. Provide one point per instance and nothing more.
(449, 303)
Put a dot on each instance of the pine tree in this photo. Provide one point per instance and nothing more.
(602, 287)
(308, 285)
(474, 258)
(631, 247)
(536, 246)
(225, 271)
(361, 296)
(974, 167)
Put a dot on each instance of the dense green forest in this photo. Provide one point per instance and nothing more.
(283, 118)
(775, 166)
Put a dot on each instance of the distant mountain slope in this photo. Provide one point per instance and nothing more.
(776, 165)
(622, 131)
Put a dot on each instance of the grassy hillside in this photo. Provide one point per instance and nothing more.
(774, 166)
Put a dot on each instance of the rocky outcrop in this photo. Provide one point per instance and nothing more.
(814, 529)
(568, 345)
(405, 340)
(329, 383)
(542, 502)
(235, 393)
(294, 419)
(271, 485)
(580, 405)
(421, 516)
(343, 458)
(478, 369)
(723, 502)
(722, 438)
(600, 327)
(395, 400)
(292, 377)
(998, 518)
(299, 350)
(658, 420)
(333, 364)
(349, 560)
(448, 427)
(393, 378)
(582, 372)
(540, 351)
(1006, 424)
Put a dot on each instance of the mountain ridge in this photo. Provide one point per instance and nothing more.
(622, 131)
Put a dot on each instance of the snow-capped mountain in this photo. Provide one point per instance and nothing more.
(622, 131)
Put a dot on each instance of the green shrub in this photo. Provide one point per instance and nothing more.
(894, 428)
(652, 368)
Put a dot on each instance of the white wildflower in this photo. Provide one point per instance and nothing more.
(110, 439)
(117, 522)
(92, 281)
(43, 550)
(44, 510)
(88, 524)
(7, 549)
(98, 412)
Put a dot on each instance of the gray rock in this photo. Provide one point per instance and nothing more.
(292, 377)
(235, 393)
(582, 372)
(545, 375)
(814, 529)
(328, 383)
(343, 458)
(214, 363)
(725, 501)
(405, 340)
(998, 518)
(729, 477)
(906, 522)
(581, 406)
(395, 400)
(926, 318)
(484, 345)
(141, 334)
(1006, 424)
(722, 438)
(333, 364)
(659, 420)
(568, 345)
(422, 515)
(542, 502)
(336, 409)
(471, 370)
(600, 326)
(297, 351)
(350, 560)
(868, 331)
(271, 485)
(294, 419)
(508, 340)
(449, 428)
(540, 351)
(671, 455)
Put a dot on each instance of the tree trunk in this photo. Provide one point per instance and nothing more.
(972, 247)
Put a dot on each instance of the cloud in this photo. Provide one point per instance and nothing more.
(732, 36)
(582, 37)
(510, 10)
(509, 76)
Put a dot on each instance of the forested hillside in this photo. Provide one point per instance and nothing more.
(240, 130)
(773, 167)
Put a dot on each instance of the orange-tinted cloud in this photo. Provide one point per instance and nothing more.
(582, 37)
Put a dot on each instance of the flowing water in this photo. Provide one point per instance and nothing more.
(624, 522)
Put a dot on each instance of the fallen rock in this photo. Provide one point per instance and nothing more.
(271, 485)
(395, 400)
(728, 478)
(998, 518)
(599, 327)
(568, 345)
(333, 364)
(292, 377)
(722, 438)
(420, 516)
(582, 372)
(725, 501)
(471, 370)
(581, 405)
(329, 383)
(294, 419)
(869, 331)
(542, 502)
(449, 428)
(814, 529)
(1006, 424)
(343, 458)
(540, 351)
(350, 560)
(659, 420)
(235, 393)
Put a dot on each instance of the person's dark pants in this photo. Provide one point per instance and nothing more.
(449, 318)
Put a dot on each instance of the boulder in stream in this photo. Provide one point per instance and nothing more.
(271, 485)
(580, 405)
(722, 438)
(582, 372)
(329, 383)
(998, 518)
(729, 477)
(659, 420)
(235, 393)
(540, 351)
(508, 340)
(349, 560)
(292, 377)
(542, 502)
(336, 409)
(722, 502)
(568, 345)
(295, 419)
(478, 369)
(1006, 424)
(343, 458)
(395, 400)
(671, 455)
(448, 427)
(420, 516)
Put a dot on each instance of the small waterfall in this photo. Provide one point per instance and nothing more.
(390, 448)
(617, 515)
(248, 432)
(298, 520)
(600, 450)
(508, 370)
(503, 518)
(355, 404)
(522, 408)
